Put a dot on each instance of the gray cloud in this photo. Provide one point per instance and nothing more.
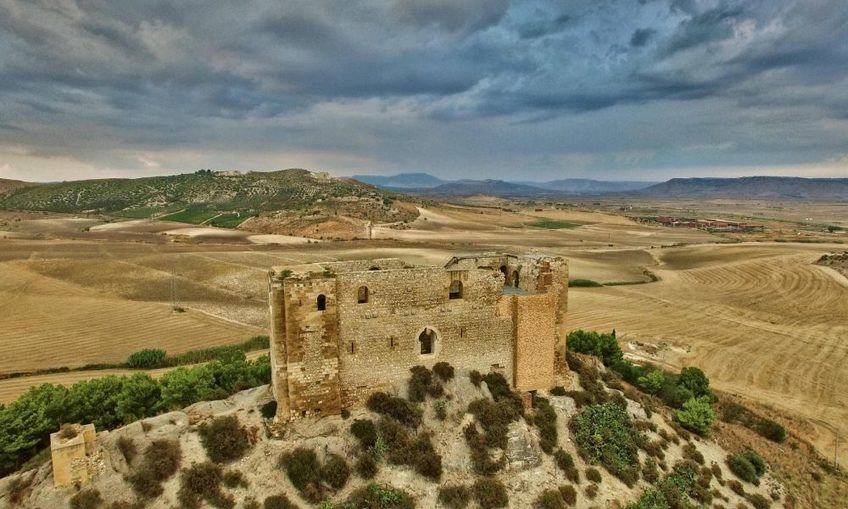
(392, 85)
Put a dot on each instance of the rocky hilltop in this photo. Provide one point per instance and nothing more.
(448, 439)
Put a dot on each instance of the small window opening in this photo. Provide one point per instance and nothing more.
(352, 347)
(461, 331)
(515, 278)
(374, 268)
(427, 340)
(455, 290)
(322, 302)
(362, 295)
(392, 342)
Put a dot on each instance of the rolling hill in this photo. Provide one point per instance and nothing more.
(402, 180)
(200, 196)
(7, 186)
(790, 188)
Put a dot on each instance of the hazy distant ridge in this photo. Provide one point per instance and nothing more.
(751, 187)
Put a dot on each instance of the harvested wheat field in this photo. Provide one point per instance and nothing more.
(761, 319)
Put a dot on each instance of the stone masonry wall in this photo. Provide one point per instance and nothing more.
(379, 339)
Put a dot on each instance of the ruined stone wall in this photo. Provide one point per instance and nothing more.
(312, 346)
(279, 360)
(535, 340)
(379, 339)
(69, 456)
(363, 265)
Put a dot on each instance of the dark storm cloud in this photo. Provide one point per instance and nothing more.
(384, 79)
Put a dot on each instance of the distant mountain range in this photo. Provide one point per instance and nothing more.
(426, 184)
(423, 184)
(821, 189)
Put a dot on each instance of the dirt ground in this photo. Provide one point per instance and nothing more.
(759, 317)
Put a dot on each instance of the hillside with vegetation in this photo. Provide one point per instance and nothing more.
(223, 199)
(619, 433)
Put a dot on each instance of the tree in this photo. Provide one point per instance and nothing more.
(652, 382)
(184, 386)
(603, 346)
(697, 415)
(696, 381)
(139, 397)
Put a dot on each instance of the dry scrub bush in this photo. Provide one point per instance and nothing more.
(202, 482)
(444, 371)
(421, 384)
(455, 497)
(375, 496)
(397, 408)
(549, 499)
(593, 475)
(566, 463)
(335, 471)
(161, 460)
(280, 501)
(86, 499)
(365, 431)
(568, 494)
(476, 378)
(366, 466)
(490, 494)
(224, 438)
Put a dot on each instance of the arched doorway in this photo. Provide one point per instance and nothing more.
(427, 341)
(515, 278)
(505, 274)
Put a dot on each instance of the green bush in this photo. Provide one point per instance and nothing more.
(697, 415)
(770, 430)
(652, 382)
(549, 499)
(490, 494)
(335, 471)
(568, 494)
(202, 482)
(86, 499)
(375, 496)
(758, 501)
(593, 475)
(365, 431)
(454, 496)
(500, 390)
(735, 413)
(147, 359)
(558, 391)
(280, 501)
(583, 283)
(224, 438)
(603, 346)
(397, 408)
(740, 465)
(605, 434)
(443, 370)
(696, 381)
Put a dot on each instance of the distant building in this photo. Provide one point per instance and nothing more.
(342, 330)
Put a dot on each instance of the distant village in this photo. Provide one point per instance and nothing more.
(713, 225)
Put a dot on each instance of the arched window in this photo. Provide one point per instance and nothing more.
(427, 341)
(515, 278)
(322, 302)
(455, 291)
(362, 295)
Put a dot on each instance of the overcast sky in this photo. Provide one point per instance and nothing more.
(534, 90)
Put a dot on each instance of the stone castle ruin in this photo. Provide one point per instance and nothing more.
(341, 330)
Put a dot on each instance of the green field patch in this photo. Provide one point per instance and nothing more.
(229, 220)
(553, 224)
(193, 215)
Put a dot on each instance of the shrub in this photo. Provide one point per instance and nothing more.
(345, 413)
(366, 466)
(455, 496)
(426, 461)
(161, 460)
(251, 503)
(690, 452)
(303, 469)
(756, 460)
(568, 494)
(696, 381)
(224, 439)
(444, 371)
(269, 409)
(375, 496)
(593, 475)
(736, 486)
(650, 473)
(441, 408)
(147, 359)
(583, 283)
(696, 415)
(335, 471)
(549, 499)
(86, 499)
(127, 447)
(394, 407)
(480, 458)
(234, 479)
(603, 346)
(566, 463)
(422, 383)
(652, 382)
(558, 391)
(742, 467)
(202, 481)
(365, 431)
(771, 430)
(280, 501)
(591, 491)
(605, 434)
(545, 419)
(758, 501)
(490, 493)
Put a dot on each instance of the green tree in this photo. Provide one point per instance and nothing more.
(140, 397)
(26, 423)
(652, 382)
(147, 359)
(697, 415)
(696, 381)
(603, 346)
(184, 386)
